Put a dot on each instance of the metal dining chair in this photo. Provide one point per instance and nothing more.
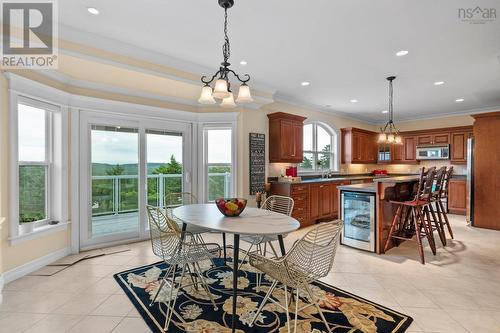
(309, 259)
(177, 251)
(277, 204)
(174, 200)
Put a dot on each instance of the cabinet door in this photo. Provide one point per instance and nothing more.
(459, 147)
(356, 147)
(398, 153)
(297, 151)
(424, 139)
(457, 196)
(287, 139)
(410, 149)
(326, 199)
(314, 202)
(441, 138)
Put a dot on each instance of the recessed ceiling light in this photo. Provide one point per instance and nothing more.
(385, 111)
(458, 100)
(305, 83)
(438, 83)
(93, 11)
(401, 53)
(243, 63)
(328, 106)
(354, 100)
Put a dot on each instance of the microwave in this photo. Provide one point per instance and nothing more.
(441, 152)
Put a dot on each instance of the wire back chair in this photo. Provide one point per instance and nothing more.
(177, 251)
(309, 259)
(277, 204)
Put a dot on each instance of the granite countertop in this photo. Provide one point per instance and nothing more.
(367, 187)
(397, 178)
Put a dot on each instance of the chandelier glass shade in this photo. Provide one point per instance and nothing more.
(222, 87)
(389, 134)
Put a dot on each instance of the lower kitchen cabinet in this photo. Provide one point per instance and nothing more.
(312, 201)
(457, 196)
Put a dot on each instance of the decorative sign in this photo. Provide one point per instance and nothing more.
(257, 162)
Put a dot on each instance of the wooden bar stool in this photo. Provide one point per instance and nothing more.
(409, 219)
(441, 210)
(436, 199)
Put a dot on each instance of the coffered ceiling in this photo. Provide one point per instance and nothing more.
(344, 48)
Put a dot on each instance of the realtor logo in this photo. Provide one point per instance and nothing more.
(29, 36)
(477, 15)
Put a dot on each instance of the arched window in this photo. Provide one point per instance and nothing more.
(320, 148)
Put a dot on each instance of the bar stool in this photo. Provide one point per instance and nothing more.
(409, 219)
(436, 199)
(439, 203)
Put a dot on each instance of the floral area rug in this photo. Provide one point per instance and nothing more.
(195, 314)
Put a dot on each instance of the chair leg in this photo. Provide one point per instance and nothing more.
(315, 302)
(246, 255)
(164, 279)
(274, 250)
(445, 216)
(205, 285)
(170, 307)
(286, 307)
(391, 230)
(438, 223)
(419, 239)
(425, 225)
(264, 301)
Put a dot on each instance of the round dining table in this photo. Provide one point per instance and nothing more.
(252, 221)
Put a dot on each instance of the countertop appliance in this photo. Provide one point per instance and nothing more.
(469, 215)
(358, 214)
(437, 152)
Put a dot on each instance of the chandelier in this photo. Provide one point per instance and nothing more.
(389, 133)
(222, 86)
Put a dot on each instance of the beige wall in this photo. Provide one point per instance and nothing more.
(16, 255)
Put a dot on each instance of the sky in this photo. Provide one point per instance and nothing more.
(115, 147)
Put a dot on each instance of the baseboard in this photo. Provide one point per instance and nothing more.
(32, 266)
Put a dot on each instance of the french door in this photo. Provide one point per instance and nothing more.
(127, 162)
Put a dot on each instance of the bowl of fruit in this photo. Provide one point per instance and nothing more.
(231, 207)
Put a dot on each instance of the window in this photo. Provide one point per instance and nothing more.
(34, 163)
(219, 170)
(320, 148)
(39, 175)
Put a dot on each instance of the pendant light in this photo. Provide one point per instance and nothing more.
(222, 86)
(389, 134)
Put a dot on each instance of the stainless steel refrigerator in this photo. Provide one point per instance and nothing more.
(470, 182)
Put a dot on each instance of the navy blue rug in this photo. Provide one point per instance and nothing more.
(194, 313)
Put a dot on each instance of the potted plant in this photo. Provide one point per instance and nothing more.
(27, 222)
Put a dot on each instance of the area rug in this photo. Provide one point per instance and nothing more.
(195, 314)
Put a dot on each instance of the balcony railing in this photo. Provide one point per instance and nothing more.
(118, 194)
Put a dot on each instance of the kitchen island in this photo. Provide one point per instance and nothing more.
(367, 211)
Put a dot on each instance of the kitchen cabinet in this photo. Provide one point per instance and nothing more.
(433, 139)
(285, 138)
(312, 201)
(404, 153)
(458, 154)
(410, 149)
(457, 197)
(358, 146)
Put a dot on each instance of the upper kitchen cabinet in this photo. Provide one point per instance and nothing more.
(358, 146)
(285, 138)
(459, 146)
(433, 139)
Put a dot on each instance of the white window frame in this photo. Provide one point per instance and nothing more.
(334, 161)
(56, 147)
(204, 128)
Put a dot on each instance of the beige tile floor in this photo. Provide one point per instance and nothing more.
(458, 290)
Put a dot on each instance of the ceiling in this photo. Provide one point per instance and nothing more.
(345, 49)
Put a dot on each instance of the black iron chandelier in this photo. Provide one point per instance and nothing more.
(222, 86)
(389, 133)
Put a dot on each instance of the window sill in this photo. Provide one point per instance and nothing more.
(39, 232)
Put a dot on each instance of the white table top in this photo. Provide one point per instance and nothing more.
(252, 221)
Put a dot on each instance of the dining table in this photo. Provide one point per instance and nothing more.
(251, 222)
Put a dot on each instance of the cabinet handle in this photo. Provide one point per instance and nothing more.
(321, 186)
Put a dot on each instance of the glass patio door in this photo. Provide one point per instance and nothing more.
(126, 163)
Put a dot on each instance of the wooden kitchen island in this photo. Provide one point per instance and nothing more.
(385, 189)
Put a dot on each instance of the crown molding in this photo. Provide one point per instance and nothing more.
(185, 71)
